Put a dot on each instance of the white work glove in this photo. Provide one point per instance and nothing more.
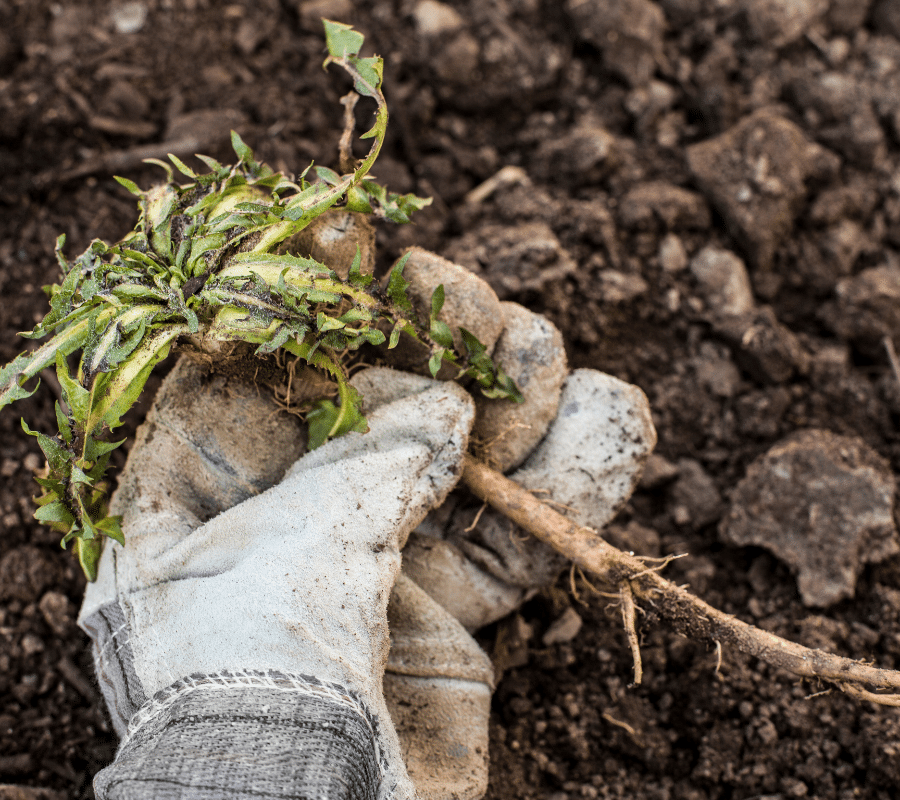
(241, 653)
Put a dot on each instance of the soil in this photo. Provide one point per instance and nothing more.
(633, 136)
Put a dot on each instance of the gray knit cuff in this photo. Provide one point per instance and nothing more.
(248, 735)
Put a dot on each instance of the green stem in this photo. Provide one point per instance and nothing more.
(346, 402)
(277, 233)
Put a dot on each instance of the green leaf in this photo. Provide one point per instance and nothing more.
(370, 75)
(241, 150)
(342, 41)
(160, 163)
(112, 527)
(440, 332)
(434, 363)
(124, 387)
(325, 323)
(88, 551)
(94, 450)
(397, 286)
(62, 422)
(76, 397)
(329, 176)
(13, 378)
(325, 421)
(183, 168)
(400, 326)
(130, 185)
(55, 511)
(437, 301)
(57, 457)
(358, 200)
(355, 276)
(78, 476)
(213, 165)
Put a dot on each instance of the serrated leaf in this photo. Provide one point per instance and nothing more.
(57, 457)
(94, 450)
(79, 476)
(397, 286)
(55, 511)
(124, 386)
(112, 527)
(368, 82)
(76, 397)
(355, 276)
(341, 40)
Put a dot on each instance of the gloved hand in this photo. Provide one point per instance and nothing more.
(279, 603)
(241, 651)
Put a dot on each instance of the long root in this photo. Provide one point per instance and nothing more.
(687, 614)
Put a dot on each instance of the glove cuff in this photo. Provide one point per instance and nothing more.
(251, 734)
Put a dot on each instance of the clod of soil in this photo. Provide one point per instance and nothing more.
(756, 174)
(824, 505)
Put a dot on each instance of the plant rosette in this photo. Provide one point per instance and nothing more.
(205, 263)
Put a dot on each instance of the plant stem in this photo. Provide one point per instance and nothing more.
(687, 614)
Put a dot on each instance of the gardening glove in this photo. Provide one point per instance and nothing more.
(241, 651)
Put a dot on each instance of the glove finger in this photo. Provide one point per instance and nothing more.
(593, 455)
(531, 352)
(468, 592)
(589, 463)
(438, 690)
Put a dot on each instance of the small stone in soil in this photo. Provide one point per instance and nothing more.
(58, 611)
(868, 308)
(723, 280)
(764, 348)
(564, 629)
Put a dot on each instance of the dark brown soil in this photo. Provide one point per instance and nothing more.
(613, 110)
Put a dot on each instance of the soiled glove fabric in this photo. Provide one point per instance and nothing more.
(241, 653)
(244, 638)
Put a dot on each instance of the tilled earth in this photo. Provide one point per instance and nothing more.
(702, 194)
